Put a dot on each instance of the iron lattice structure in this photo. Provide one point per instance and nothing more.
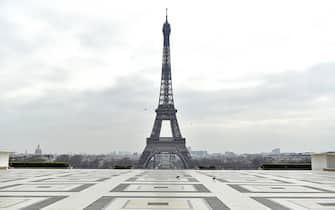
(165, 111)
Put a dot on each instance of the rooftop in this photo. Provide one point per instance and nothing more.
(165, 189)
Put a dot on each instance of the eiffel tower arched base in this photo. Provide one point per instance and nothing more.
(165, 145)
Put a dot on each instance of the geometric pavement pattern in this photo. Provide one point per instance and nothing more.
(54, 189)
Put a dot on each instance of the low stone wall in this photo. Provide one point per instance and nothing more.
(323, 161)
(4, 159)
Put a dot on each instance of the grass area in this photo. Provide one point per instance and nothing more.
(39, 165)
(287, 166)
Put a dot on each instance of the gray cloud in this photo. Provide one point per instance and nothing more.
(292, 110)
(287, 90)
(101, 35)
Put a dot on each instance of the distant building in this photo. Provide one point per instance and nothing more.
(199, 154)
(229, 154)
(275, 151)
(38, 150)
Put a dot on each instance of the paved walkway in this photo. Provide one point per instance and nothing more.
(165, 189)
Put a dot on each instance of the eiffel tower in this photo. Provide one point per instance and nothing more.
(174, 145)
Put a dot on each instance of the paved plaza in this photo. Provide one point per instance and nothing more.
(165, 189)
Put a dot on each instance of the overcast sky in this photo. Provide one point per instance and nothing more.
(248, 76)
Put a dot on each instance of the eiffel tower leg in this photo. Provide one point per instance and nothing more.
(175, 128)
(156, 130)
(144, 158)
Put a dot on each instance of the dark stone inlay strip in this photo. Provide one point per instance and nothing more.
(316, 188)
(81, 188)
(12, 180)
(251, 182)
(103, 179)
(193, 180)
(8, 186)
(200, 188)
(67, 175)
(244, 190)
(41, 180)
(102, 202)
(327, 204)
(216, 204)
(260, 176)
(120, 188)
(271, 204)
(76, 189)
(239, 188)
(265, 179)
(283, 181)
(44, 203)
(133, 179)
(310, 181)
(69, 180)
(274, 205)
(49, 200)
(158, 203)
